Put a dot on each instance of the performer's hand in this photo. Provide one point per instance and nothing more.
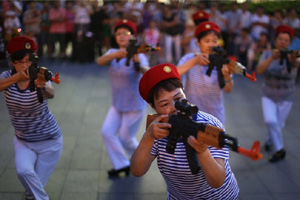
(199, 147)
(136, 58)
(40, 82)
(275, 54)
(159, 129)
(121, 53)
(203, 59)
(293, 56)
(23, 75)
(226, 72)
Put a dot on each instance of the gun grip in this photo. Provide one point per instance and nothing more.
(192, 158)
(127, 61)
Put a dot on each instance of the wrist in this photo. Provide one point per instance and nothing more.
(148, 136)
(228, 80)
(44, 88)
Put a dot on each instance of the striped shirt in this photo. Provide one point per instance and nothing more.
(31, 119)
(181, 183)
(202, 90)
(125, 84)
(279, 84)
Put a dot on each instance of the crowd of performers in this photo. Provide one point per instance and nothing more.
(38, 139)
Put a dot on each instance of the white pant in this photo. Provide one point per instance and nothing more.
(127, 125)
(35, 162)
(168, 43)
(275, 114)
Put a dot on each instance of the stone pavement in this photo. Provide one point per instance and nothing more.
(80, 105)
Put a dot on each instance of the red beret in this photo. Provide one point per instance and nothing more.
(200, 15)
(155, 75)
(126, 23)
(20, 43)
(284, 29)
(206, 26)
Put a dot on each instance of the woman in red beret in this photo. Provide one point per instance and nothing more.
(38, 139)
(204, 91)
(279, 68)
(161, 87)
(189, 42)
(126, 113)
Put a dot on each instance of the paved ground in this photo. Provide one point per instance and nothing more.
(80, 105)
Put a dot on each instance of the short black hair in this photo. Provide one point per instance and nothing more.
(276, 36)
(167, 84)
(19, 55)
(204, 33)
(199, 21)
(124, 26)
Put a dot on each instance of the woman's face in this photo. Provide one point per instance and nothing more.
(282, 41)
(207, 42)
(22, 65)
(122, 37)
(165, 102)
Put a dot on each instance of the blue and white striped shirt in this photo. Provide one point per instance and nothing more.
(125, 83)
(31, 119)
(181, 183)
(202, 90)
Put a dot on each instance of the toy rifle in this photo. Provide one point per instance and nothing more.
(39, 72)
(183, 126)
(133, 48)
(284, 57)
(218, 58)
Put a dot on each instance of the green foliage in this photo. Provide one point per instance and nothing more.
(271, 6)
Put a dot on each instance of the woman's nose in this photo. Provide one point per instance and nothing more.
(173, 108)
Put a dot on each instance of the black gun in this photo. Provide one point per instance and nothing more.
(183, 126)
(218, 58)
(134, 48)
(34, 73)
(284, 57)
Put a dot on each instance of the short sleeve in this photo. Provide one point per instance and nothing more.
(154, 150)
(143, 60)
(5, 74)
(265, 55)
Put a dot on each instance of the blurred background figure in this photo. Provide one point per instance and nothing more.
(70, 36)
(44, 34)
(173, 29)
(32, 24)
(291, 19)
(275, 20)
(233, 27)
(256, 49)
(99, 18)
(242, 44)
(278, 89)
(259, 23)
(188, 40)
(12, 23)
(152, 37)
(83, 45)
(57, 29)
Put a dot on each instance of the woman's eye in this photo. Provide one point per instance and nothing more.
(178, 99)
